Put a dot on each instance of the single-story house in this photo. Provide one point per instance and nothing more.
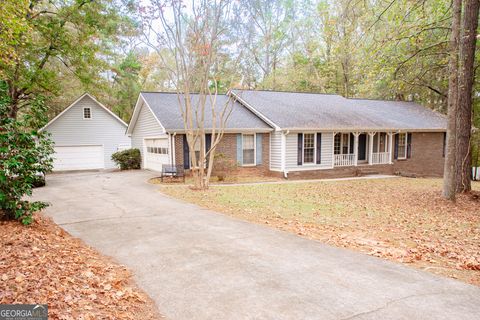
(85, 136)
(293, 134)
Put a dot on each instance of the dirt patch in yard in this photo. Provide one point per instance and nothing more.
(42, 264)
(404, 220)
(215, 181)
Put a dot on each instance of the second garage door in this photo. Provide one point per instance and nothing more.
(78, 158)
(156, 153)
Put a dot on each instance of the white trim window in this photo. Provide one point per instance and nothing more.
(308, 148)
(380, 142)
(196, 148)
(402, 146)
(342, 143)
(87, 113)
(157, 150)
(248, 149)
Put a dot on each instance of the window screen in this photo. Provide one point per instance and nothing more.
(309, 148)
(248, 149)
(402, 146)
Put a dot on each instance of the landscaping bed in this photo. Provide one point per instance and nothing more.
(401, 219)
(42, 264)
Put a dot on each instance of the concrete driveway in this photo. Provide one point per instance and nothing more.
(198, 264)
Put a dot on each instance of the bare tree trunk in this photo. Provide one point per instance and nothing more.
(449, 175)
(465, 84)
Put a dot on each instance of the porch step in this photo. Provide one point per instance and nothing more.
(369, 171)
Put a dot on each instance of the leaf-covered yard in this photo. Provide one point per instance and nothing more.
(404, 220)
(43, 264)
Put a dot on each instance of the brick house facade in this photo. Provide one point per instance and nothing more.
(228, 147)
(301, 135)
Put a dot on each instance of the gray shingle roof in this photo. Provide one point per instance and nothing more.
(294, 110)
(166, 108)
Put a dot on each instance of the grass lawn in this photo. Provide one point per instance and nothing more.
(42, 264)
(404, 220)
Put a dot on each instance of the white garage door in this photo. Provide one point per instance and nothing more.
(156, 153)
(78, 158)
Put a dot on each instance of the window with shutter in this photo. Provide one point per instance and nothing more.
(402, 146)
(309, 148)
(248, 148)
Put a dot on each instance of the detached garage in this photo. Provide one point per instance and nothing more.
(86, 134)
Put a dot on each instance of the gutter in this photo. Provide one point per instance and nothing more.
(173, 147)
(401, 130)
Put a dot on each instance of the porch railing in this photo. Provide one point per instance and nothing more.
(380, 157)
(343, 160)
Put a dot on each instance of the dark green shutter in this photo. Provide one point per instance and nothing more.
(409, 145)
(186, 153)
(300, 149)
(319, 148)
(208, 144)
(352, 140)
(444, 144)
(208, 141)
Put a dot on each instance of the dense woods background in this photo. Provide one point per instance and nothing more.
(391, 49)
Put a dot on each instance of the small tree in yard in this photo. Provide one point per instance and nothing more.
(24, 153)
(192, 42)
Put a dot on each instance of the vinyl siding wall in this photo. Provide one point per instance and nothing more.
(146, 126)
(291, 153)
(276, 151)
(71, 129)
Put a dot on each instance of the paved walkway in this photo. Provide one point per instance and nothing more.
(198, 264)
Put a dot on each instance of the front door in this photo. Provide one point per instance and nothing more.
(362, 147)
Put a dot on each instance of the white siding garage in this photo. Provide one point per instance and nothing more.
(78, 158)
(156, 153)
(85, 136)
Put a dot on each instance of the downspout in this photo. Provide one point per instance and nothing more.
(174, 162)
(284, 151)
(169, 139)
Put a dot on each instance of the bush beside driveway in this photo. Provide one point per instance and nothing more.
(404, 220)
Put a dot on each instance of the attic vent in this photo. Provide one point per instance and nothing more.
(87, 113)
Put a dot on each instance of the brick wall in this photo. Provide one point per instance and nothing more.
(427, 156)
(228, 146)
(426, 161)
(179, 149)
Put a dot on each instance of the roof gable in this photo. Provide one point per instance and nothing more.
(84, 96)
(165, 107)
(139, 105)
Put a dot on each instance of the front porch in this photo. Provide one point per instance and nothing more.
(362, 148)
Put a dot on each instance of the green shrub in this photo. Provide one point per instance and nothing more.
(127, 159)
(222, 166)
(25, 154)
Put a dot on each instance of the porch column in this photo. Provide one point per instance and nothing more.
(390, 147)
(370, 147)
(355, 148)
